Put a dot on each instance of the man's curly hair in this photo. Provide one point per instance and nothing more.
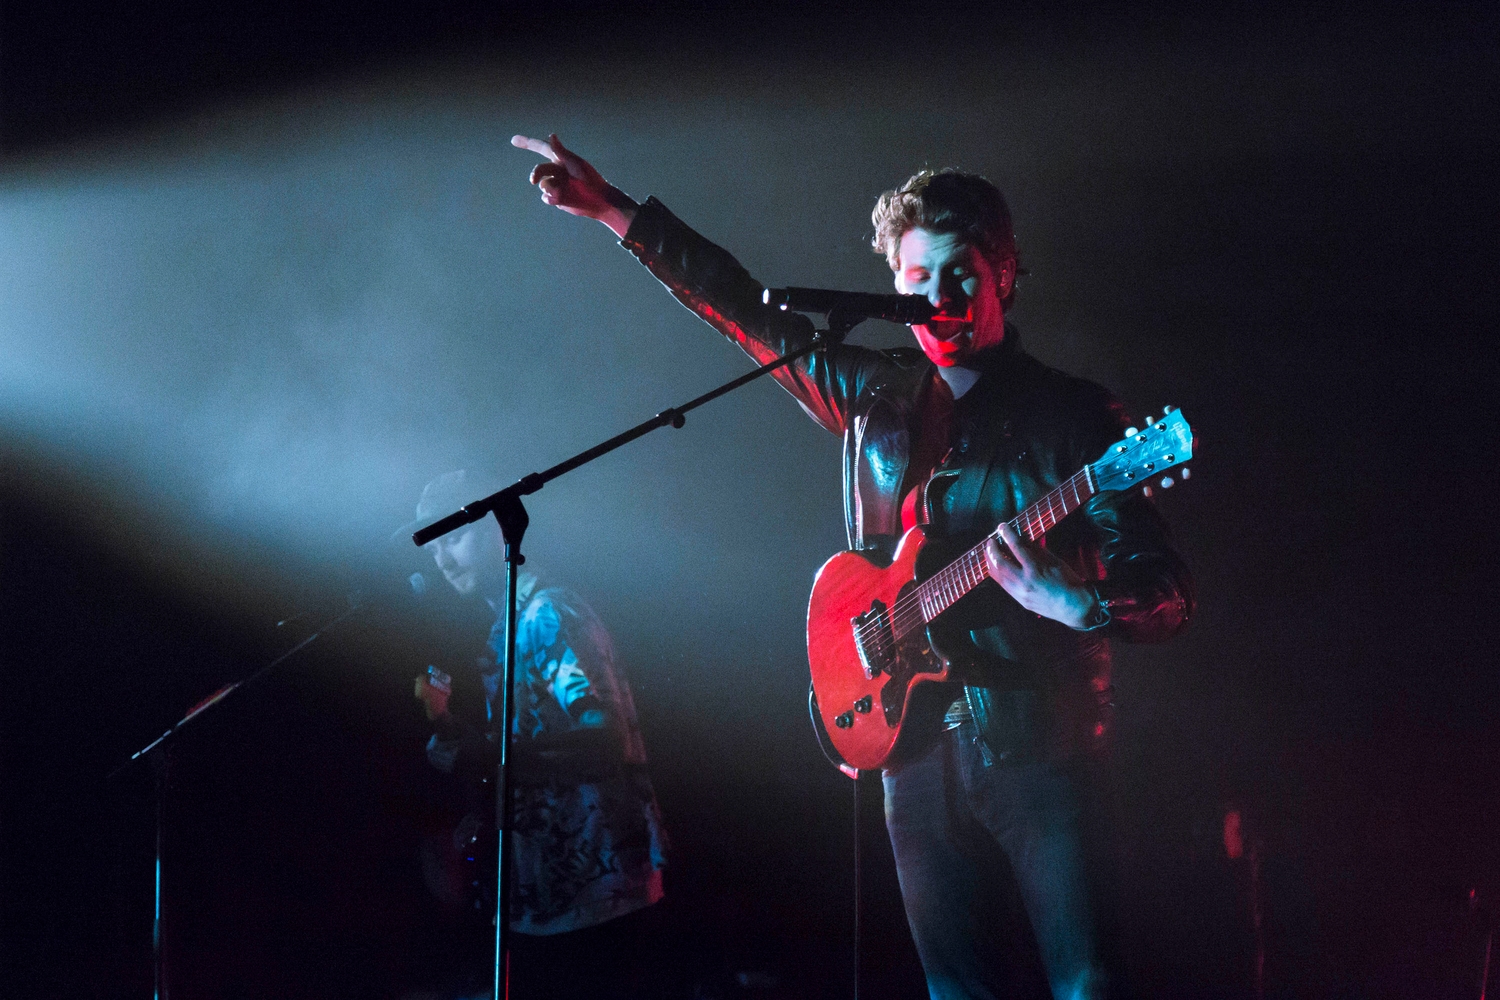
(947, 201)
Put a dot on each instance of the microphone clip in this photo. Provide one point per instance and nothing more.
(839, 323)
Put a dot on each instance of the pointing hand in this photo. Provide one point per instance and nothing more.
(571, 183)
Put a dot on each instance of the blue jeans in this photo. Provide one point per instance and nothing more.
(954, 823)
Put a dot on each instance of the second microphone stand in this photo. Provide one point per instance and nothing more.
(511, 514)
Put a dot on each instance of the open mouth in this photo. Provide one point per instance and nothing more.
(948, 330)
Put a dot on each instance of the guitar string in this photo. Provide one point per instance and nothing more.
(907, 613)
(966, 572)
(947, 585)
(951, 583)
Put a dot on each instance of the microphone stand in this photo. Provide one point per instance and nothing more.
(511, 514)
(162, 769)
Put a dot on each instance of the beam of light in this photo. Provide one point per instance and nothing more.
(265, 331)
(267, 328)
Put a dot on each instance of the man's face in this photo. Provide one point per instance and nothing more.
(966, 290)
(467, 556)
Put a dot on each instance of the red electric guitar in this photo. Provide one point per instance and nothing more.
(868, 641)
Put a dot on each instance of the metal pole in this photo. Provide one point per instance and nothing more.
(858, 893)
(513, 519)
(158, 963)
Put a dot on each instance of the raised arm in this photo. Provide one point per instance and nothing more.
(709, 281)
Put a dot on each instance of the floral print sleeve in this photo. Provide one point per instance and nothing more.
(586, 850)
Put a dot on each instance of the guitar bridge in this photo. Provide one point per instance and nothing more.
(873, 639)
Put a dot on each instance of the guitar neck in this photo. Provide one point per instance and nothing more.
(944, 588)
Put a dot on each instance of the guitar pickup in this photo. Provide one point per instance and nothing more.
(873, 639)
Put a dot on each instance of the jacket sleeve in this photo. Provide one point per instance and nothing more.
(710, 282)
(1142, 582)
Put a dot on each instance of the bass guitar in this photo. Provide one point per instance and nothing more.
(869, 644)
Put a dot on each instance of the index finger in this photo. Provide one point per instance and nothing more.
(540, 146)
(1017, 545)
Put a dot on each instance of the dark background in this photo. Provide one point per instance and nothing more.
(266, 269)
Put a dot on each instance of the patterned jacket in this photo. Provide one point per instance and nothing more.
(588, 838)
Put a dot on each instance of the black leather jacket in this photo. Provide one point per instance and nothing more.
(1034, 687)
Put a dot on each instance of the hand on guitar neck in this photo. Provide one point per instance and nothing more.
(1039, 581)
(868, 642)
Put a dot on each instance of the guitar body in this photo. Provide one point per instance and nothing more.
(863, 708)
(876, 634)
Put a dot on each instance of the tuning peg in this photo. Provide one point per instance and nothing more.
(1150, 421)
(1145, 491)
(1166, 411)
(1131, 432)
(1187, 473)
(1166, 482)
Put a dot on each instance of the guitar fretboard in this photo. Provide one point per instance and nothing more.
(944, 588)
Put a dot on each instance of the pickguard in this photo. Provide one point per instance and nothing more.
(914, 655)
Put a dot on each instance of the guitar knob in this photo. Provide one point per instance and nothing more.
(864, 705)
(844, 720)
(1166, 482)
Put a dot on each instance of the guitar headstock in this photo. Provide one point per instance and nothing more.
(1145, 453)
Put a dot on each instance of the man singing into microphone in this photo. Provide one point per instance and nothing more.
(959, 437)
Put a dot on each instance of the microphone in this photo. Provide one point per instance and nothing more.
(894, 308)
